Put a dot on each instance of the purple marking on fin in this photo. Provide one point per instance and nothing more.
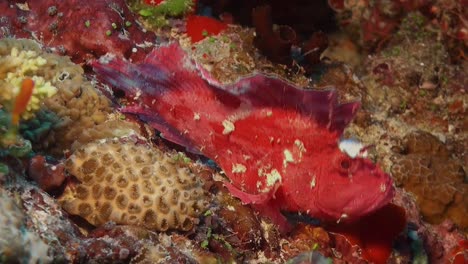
(343, 115)
(168, 132)
(263, 90)
(114, 73)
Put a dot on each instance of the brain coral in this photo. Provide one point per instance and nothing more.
(426, 169)
(131, 183)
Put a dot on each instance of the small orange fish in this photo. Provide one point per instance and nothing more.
(22, 100)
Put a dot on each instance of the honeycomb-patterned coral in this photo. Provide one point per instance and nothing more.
(132, 183)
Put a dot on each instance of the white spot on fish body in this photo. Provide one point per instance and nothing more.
(343, 216)
(300, 145)
(238, 168)
(273, 177)
(288, 157)
(313, 183)
(196, 116)
(229, 152)
(272, 139)
(383, 187)
(352, 147)
(246, 157)
(269, 113)
(228, 127)
(153, 101)
(137, 95)
(262, 169)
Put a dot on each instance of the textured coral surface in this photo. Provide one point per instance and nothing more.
(130, 183)
(81, 31)
(15, 239)
(436, 179)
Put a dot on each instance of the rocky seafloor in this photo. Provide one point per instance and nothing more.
(82, 181)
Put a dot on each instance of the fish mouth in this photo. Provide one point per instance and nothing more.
(355, 207)
(380, 200)
(384, 195)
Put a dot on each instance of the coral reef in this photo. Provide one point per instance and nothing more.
(372, 23)
(11, 143)
(72, 110)
(232, 55)
(49, 177)
(409, 86)
(18, 244)
(70, 156)
(303, 17)
(130, 183)
(439, 242)
(21, 59)
(437, 180)
(200, 27)
(275, 44)
(155, 14)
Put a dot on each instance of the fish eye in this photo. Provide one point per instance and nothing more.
(345, 164)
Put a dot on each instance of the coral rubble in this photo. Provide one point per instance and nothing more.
(17, 242)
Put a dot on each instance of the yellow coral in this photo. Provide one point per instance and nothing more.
(83, 112)
(17, 65)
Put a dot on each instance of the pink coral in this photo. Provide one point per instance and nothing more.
(82, 31)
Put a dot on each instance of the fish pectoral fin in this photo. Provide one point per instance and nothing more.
(171, 134)
(271, 210)
(168, 132)
(248, 198)
(264, 203)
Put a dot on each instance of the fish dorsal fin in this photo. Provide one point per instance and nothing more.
(170, 67)
(260, 89)
(265, 90)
